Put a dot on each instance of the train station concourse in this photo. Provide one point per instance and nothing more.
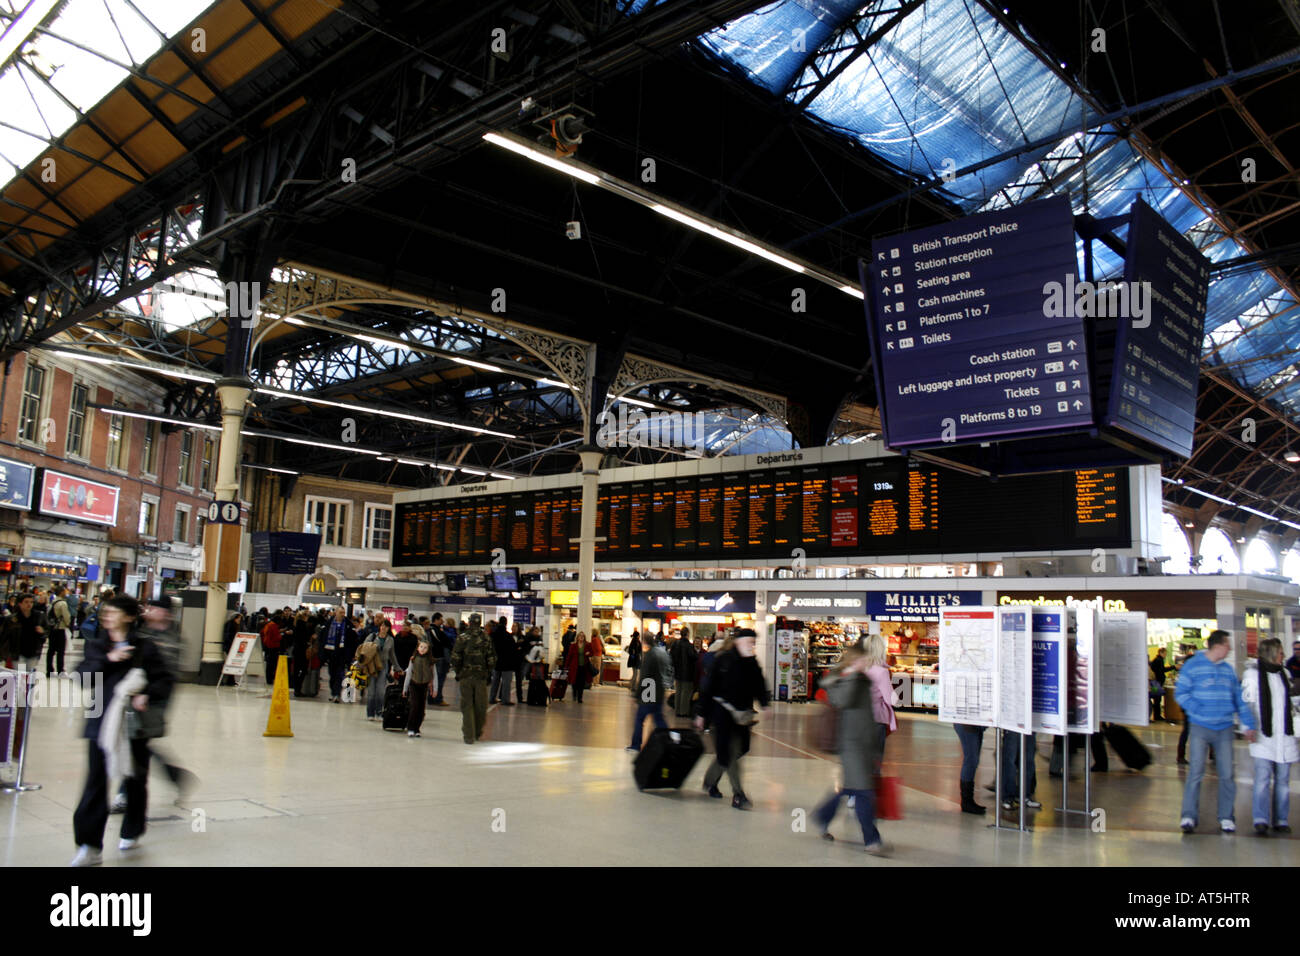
(649, 434)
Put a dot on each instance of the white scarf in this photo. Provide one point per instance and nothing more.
(112, 727)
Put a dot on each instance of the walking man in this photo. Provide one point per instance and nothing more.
(334, 638)
(1210, 695)
(684, 659)
(473, 661)
(650, 689)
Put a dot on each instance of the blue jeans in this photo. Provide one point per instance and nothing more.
(1199, 740)
(654, 709)
(1011, 765)
(1278, 777)
(972, 739)
(501, 684)
(864, 803)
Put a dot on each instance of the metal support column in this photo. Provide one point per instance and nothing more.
(587, 533)
(233, 394)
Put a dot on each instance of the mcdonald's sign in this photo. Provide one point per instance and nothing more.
(317, 586)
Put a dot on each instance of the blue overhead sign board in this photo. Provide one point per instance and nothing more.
(16, 484)
(1157, 355)
(966, 346)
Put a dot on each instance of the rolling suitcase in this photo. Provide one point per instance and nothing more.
(558, 688)
(667, 759)
(1129, 748)
(396, 707)
(310, 683)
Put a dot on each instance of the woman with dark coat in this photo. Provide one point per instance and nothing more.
(735, 682)
(579, 662)
(848, 689)
(303, 631)
(135, 679)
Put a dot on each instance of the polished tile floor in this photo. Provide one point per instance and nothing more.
(554, 787)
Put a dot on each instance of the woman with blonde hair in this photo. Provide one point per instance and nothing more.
(882, 690)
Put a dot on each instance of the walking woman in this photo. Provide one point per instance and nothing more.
(735, 683)
(882, 692)
(849, 690)
(136, 685)
(303, 632)
(1266, 689)
(384, 664)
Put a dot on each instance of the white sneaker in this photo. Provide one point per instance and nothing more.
(410, 733)
(128, 844)
(87, 856)
(1227, 826)
(880, 848)
(1187, 824)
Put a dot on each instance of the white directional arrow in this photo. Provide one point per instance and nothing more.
(889, 346)
(1078, 404)
(889, 326)
(884, 273)
(1076, 384)
(1072, 344)
(888, 308)
(880, 255)
(1074, 363)
(885, 290)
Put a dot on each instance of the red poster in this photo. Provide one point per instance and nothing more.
(78, 498)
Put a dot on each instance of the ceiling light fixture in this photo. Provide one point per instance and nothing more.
(278, 471)
(718, 233)
(191, 375)
(537, 156)
(20, 29)
(313, 442)
(127, 413)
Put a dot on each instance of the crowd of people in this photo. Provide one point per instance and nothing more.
(720, 688)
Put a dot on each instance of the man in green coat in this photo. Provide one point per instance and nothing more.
(473, 660)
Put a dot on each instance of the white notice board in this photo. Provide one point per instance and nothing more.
(968, 665)
(1124, 677)
(1015, 671)
(241, 649)
(1050, 627)
(1081, 675)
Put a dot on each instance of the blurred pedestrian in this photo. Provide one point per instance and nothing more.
(60, 620)
(649, 690)
(882, 691)
(684, 659)
(735, 684)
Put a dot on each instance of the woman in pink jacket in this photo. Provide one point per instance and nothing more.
(882, 688)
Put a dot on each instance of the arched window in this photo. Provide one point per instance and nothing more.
(1173, 542)
(1218, 554)
(1260, 558)
(1291, 565)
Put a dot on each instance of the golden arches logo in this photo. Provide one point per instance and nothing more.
(316, 585)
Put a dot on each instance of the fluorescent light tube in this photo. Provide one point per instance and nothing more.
(709, 229)
(537, 156)
(156, 418)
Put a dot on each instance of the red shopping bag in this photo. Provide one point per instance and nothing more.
(889, 798)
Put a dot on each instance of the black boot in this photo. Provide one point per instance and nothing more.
(968, 804)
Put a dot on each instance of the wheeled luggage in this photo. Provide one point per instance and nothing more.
(537, 693)
(310, 683)
(1129, 748)
(667, 759)
(558, 688)
(396, 707)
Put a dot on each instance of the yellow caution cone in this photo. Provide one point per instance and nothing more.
(277, 722)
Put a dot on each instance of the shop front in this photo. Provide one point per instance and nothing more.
(21, 575)
(708, 615)
(607, 621)
(909, 623)
(812, 631)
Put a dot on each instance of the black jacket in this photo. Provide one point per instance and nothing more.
(404, 644)
(1158, 669)
(21, 633)
(683, 655)
(737, 680)
(147, 655)
(504, 646)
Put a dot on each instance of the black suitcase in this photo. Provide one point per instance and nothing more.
(396, 707)
(667, 759)
(1128, 747)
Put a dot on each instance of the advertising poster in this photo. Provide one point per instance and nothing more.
(1049, 679)
(241, 649)
(395, 615)
(1081, 674)
(784, 660)
(1123, 678)
(10, 688)
(968, 641)
(66, 496)
(16, 484)
(1015, 671)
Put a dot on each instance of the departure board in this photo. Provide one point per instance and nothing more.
(1094, 495)
(559, 543)
(875, 507)
(619, 501)
(686, 517)
(661, 516)
(787, 509)
(541, 536)
(845, 480)
(640, 501)
(520, 521)
(708, 525)
(735, 507)
(814, 526)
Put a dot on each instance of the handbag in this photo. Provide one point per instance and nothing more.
(889, 798)
(147, 724)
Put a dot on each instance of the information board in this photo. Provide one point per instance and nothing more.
(16, 480)
(1124, 676)
(1081, 671)
(241, 649)
(285, 552)
(1049, 630)
(966, 345)
(1015, 671)
(1158, 355)
(882, 506)
(968, 665)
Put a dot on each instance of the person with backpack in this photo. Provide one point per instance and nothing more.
(61, 627)
(849, 690)
(735, 683)
(271, 640)
(90, 629)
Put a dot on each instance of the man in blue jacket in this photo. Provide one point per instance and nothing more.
(1210, 695)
